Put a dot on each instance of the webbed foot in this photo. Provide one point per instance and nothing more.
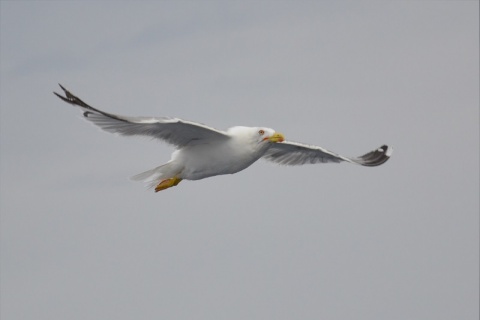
(167, 183)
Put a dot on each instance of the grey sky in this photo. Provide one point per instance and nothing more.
(335, 241)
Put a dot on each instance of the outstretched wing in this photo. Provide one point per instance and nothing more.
(172, 130)
(293, 153)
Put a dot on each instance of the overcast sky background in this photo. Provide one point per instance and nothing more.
(334, 241)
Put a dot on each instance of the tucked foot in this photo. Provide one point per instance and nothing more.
(167, 183)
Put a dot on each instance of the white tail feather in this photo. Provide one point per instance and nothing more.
(156, 175)
(149, 175)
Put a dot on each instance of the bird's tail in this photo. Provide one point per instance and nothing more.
(154, 176)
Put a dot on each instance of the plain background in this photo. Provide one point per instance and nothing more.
(334, 241)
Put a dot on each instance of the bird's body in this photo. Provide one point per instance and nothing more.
(204, 152)
(216, 158)
(199, 161)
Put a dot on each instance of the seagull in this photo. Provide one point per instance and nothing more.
(203, 151)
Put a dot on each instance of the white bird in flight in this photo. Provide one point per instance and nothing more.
(204, 152)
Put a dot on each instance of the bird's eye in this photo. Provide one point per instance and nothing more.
(261, 132)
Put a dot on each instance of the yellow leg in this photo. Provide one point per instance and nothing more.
(167, 183)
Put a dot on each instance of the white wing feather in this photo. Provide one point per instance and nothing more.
(294, 153)
(175, 131)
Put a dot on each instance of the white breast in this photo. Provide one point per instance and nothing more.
(204, 161)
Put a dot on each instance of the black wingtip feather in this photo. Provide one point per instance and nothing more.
(76, 101)
(59, 96)
(376, 157)
(71, 98)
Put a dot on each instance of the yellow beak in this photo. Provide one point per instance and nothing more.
(276, 137)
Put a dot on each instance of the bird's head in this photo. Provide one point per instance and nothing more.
(269, 135)
(258, 136)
